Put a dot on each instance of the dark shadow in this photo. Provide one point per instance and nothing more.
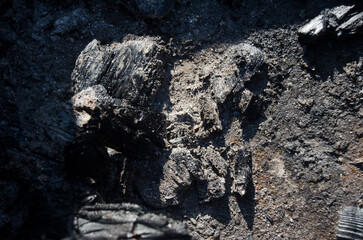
(324, 56)
(148, 174)
(247, 207)
(191, 207)
(47, 220)
(254, 114)
(247, 203)
(194, 25)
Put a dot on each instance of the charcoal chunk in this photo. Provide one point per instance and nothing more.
(126, 221)
(115, 86)
(211, 181)
(131, 70)
(240, 170)
(240, 64)
(210, 116)
(178, 173)
(116, 124)
(350, 223)
(163, 183)
(338, 21)
(245, 100)
(351, 26)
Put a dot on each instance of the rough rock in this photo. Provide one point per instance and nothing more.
(340, 21)
(149, 8)
(126, 221)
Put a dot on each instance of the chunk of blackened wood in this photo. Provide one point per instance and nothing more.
(131, 70)
(126, 221)
(327, 19)
(136, 132)
(351, 26)
(350, 223)
(339, 21)
(164, 182)
(240, 170)
(240, 63)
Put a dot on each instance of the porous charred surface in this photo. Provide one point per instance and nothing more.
(202, 150)
(132, 70)
(239, 119)
(340, 21)
(126, 221)
(115, 87)
(119, 83)
(350, 223)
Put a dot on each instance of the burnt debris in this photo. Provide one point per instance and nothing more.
(340, 21)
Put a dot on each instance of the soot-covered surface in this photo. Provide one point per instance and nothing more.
(233, 146)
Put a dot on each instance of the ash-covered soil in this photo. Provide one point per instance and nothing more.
(224, 119)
